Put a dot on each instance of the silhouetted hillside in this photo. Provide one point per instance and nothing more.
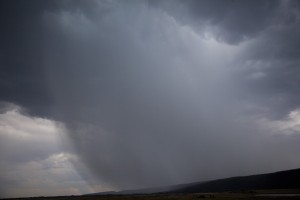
(289, 179)
(279, 180)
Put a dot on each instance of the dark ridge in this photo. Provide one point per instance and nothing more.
(289, 179)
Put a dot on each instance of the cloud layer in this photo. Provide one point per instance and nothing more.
(33, 162)
(160, 92)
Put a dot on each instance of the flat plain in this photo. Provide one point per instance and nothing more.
(284, 194)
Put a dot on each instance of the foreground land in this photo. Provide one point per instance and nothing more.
(261, 186)
(254, 194)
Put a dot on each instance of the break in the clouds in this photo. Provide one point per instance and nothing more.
(152, 92)
(33, 162)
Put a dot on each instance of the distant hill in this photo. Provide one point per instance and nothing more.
(289, 179)
(140, 191)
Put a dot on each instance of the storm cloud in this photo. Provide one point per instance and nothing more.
(159, 92)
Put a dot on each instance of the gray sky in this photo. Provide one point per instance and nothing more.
(110, 95)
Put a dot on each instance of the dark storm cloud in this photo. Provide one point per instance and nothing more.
(232, 21)
(269, 67)
(274, 55)
(162, 92)
(151, 119)
(22, 79)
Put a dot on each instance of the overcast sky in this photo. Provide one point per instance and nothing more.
(100, 95)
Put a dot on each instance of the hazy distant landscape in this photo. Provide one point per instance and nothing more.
(278, 185)
(288, 182)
